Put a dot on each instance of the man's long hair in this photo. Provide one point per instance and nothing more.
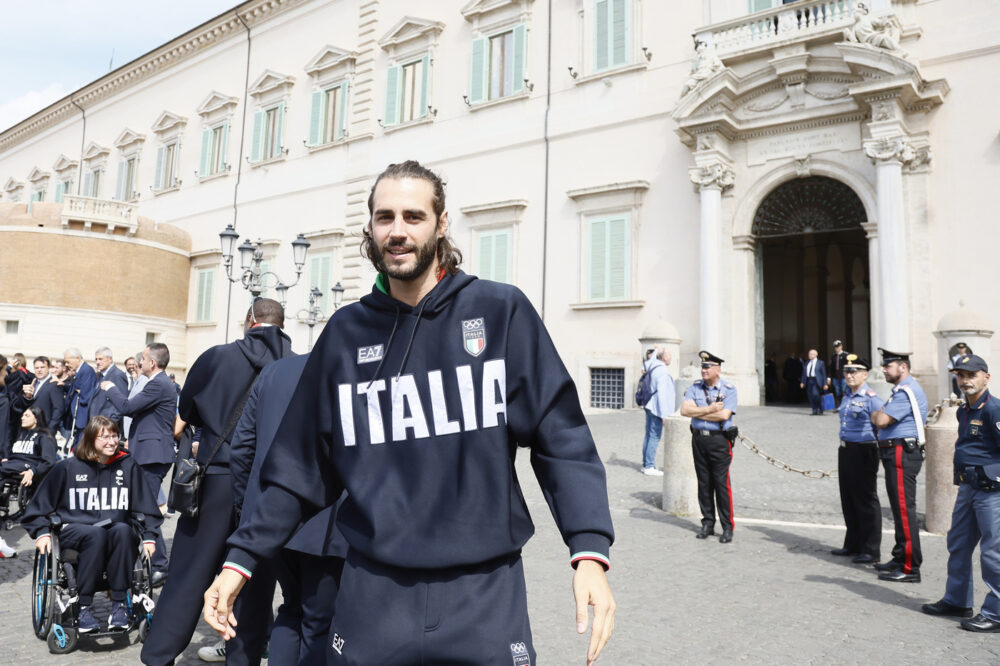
(449, 257)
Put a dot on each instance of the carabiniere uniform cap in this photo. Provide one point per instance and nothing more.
(855, 361)
(889, 356)
(707, 357)
(971, 363)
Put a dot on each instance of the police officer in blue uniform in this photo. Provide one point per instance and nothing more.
(857, 464)
(711, 404)
(976, 518)
(900, 429)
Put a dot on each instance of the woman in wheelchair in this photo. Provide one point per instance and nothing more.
(94, 494)
(33, 453)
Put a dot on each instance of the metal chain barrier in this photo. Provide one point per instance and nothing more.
(780, 464)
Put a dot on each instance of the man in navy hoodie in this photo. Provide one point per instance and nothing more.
(214, 393)
(416, 400)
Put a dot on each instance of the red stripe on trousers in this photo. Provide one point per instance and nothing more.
(729, 488)
(901, 491)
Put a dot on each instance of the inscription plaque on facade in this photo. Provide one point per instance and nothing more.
(800, 144)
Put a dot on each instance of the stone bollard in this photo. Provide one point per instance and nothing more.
(940, 479)
(680, 485)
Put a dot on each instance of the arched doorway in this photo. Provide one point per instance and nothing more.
(814, 255)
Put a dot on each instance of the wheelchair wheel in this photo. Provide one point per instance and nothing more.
(43, 594)
(60, 640)
(8, 524)
(143, 630)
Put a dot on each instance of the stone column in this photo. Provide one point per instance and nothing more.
(711, 180)
(874, 289)
(889, 154)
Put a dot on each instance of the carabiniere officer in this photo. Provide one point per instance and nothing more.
(976, 517)
(857, 464)
(711, 404)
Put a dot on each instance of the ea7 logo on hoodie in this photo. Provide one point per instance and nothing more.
(474, 335)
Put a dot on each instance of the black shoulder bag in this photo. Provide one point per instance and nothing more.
(185, 488)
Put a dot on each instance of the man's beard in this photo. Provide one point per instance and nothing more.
(425, 257)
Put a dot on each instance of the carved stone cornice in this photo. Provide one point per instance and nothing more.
(913, 158)
(716, 175)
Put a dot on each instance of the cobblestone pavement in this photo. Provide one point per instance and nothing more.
(775, 595)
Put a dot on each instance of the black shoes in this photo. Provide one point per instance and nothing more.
(727, 536)
(981, 624)
(865, 558)
(891, 565)
(705, 532)
(841, 552)
(900, 576)
(943, 608)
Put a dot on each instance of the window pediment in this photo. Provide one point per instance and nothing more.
(217, 102)
(487, 14)
(506, 213)
(94, 152)
(12, 185)
(128, 139)
(411, 31)
(37, 175)
(271, 82)
(609, 197)
(64, 164)
(169, 122)
(331, 62)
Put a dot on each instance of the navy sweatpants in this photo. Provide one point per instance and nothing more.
(308, 589)
(469, 615)
(113, 549)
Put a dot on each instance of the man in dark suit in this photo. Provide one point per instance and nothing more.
(151, 435)
(43, 392)
(78, 395)
(814, 381)
(100, 405)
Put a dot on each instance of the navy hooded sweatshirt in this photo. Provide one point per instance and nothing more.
(418, 412)
(218, 382)
(35, 449)
(87, 492)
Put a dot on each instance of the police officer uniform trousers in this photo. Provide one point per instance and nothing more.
(857, 467)
(475, 614)
(976, 519)
(196, 556)
(901, 469)
(713, 454)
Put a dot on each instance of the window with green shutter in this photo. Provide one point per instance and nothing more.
(607, 258)
(611, 33)
(321, 277)
(165, 176)
(60, 192)
(498, 65)
(407, 92)
(494, 257)
(213, 150)
(206, 295)
(328, 108)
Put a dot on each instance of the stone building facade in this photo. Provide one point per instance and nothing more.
(756, 177)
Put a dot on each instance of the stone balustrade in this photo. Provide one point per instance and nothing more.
(90, 211)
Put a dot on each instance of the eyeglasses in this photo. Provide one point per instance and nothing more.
(107, 438)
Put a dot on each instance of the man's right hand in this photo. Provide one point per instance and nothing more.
(44, 545)
(219, 600)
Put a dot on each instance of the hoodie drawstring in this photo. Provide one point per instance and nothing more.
(385, 352)
(409, 344)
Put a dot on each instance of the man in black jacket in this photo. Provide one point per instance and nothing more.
(151, 432)
(212, 399)
(43, 392)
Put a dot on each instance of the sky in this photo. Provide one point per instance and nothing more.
(52, 47)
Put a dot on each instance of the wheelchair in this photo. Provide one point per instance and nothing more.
(55, 600)
(14, 500)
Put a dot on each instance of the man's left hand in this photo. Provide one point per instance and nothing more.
(26, 477)
(105, 385)
(149, 549)
(590, 588)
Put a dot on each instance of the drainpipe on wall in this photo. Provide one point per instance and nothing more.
(83, 138)
(545, 198)
(239, 163)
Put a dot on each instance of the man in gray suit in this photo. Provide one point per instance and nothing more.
(107, 371)
(151, 436)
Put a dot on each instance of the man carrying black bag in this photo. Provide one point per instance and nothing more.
(212, 399)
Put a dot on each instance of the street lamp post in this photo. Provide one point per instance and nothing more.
(251, 275)
(311, 314)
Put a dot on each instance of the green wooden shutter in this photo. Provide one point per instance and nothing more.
(223, 148)
(176, 165)
(598, 260)
(425, 71)
(320, 277)
(158, 176)
(342, 125)
(316, 116)
(760, 5)
(520, 53)
(60, 191)
(205, 169)
(120, 184)
(206, 291)
(480, 70)
(394, 77)
(601, 33)
(501, 256)
(617, 258)
(619, 33)
(257, 137)
(281, 129)
(88, 182)
(485, 268)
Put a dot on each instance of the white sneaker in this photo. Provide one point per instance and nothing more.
(215, 652)
(5, 550)
(651, 471)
